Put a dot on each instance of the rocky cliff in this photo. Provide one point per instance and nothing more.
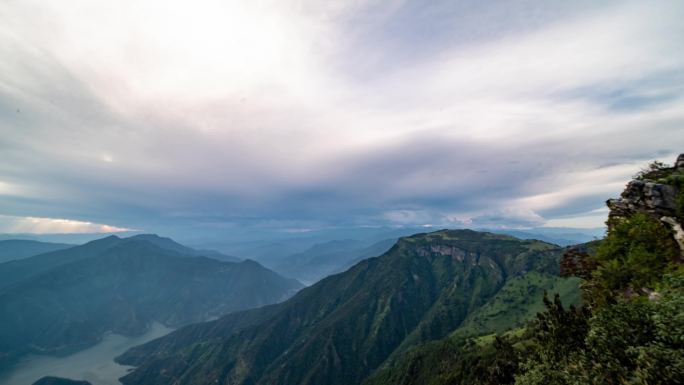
(657, 192)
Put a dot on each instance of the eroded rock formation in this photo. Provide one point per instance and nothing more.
(659, 193)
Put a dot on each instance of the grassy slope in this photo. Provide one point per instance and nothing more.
(518, 302)
(452, 360)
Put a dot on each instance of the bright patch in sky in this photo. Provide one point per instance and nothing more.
(31, 225)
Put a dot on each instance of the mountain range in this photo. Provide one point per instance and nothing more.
(59, 381)
(323, 259)
(343, 328)
(65, 300)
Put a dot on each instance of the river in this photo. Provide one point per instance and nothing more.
(95, 364)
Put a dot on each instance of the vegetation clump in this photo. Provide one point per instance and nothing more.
(655, 170)
(633, 257)
(633, 341)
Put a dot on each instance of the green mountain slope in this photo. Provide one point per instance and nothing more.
(454, 359)
(13, 249)
(68, 299)
(518, 301)
(341, 329)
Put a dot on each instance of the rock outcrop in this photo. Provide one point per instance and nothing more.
(659, 193)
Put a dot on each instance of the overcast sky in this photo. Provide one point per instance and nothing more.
(161, 115)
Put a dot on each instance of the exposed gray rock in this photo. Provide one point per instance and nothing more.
(680, 161)
(677, 230)
(658, 200)
(451, 251)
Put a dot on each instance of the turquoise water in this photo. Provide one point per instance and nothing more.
(94, 364)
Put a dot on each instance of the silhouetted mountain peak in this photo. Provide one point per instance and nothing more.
(50, 380)
(148, 236)
(170, 244)
(152, 238)
(250, 262)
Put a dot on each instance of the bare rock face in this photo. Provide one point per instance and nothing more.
(657, 198)
(646, 197)
(680, 161)
(678, 233)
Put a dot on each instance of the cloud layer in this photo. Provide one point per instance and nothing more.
(32, 225)
(173, 115)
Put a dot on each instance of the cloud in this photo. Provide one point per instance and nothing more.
(509, 218)
(301, 113)
(584, 220)
(32, 225)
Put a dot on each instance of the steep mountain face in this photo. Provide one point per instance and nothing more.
(471, 351)
(65, 300)
(342, 328)
(13, 249)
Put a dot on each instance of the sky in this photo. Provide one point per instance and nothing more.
(209, 116)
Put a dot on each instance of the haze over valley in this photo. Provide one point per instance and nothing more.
(367, 192)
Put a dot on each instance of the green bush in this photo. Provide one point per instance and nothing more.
(654, 171)
(677, 180)
(635, 254)
(629, 338)
(559, 336)
(632, 342)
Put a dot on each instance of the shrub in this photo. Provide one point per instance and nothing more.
(635, 254)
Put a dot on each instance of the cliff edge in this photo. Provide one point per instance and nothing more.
(658, 192)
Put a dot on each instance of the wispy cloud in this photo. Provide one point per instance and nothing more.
(298, 112)
(32, 225)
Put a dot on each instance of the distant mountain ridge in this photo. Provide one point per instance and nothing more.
(14, 271)
(65, 300)
(13, 249)
(170, 244)
(59, 381)
(323, 259)
(341, 329)
(558, 236)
